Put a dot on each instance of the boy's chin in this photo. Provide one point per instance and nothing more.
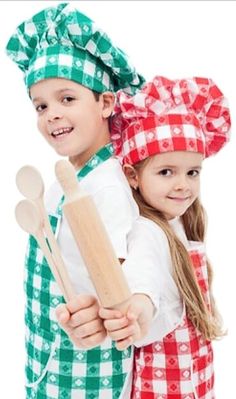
(64, 152)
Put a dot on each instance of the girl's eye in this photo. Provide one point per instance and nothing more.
(67, 99)
(40, 108)
(165, 172)
(193, 173)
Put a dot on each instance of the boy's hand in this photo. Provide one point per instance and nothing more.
(79, 318)
(126, 329)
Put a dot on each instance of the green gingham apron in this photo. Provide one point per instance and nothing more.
(55, 369)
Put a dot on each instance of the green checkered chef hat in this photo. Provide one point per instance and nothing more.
(62, 42)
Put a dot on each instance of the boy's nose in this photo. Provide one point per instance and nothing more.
(53, 114)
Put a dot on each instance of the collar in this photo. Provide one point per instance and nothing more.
(102, 155)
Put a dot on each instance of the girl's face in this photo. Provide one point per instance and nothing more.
(170, 182)
(72, 121)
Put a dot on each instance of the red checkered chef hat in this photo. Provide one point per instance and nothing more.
(170, 115)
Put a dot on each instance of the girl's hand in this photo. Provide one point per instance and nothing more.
(126, 329)
(79, 318)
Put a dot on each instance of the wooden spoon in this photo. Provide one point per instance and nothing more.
(30, 184)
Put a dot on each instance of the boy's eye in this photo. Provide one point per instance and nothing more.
(67, 99)
(193, 172)
(40, 108)
(165, 172)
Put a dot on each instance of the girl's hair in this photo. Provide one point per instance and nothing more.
(206, 320)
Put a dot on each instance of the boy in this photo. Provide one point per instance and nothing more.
(71, 71)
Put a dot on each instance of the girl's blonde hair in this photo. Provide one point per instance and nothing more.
(206, 320)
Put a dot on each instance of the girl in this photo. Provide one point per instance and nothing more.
(163, 133)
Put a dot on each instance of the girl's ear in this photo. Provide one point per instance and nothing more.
(108, 101)
(131, 175)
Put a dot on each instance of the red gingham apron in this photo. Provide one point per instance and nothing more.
(181, 365)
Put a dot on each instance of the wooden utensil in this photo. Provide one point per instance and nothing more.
(30, 220)
(30, 184)
(92, 239)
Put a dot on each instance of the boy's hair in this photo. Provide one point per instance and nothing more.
(96, 95)
(206, 320)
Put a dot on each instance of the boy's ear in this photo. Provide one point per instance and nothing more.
(131, 175)
(108, 102)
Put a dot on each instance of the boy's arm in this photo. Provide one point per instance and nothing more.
(118, 213)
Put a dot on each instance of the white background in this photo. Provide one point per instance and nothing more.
(176, 39)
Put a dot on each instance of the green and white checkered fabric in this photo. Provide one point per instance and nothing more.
(55, 369)
(62, 42)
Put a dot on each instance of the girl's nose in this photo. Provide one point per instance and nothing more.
(181, 182)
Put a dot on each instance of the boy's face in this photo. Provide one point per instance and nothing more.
(72, 121)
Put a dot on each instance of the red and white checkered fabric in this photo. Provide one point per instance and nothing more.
(181, 365)
(170, 115)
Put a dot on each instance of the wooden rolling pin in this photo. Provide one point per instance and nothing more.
(92, 239)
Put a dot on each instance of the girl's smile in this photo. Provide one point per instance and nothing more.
(178, 199)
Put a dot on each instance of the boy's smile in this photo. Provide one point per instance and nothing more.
(60, 132)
